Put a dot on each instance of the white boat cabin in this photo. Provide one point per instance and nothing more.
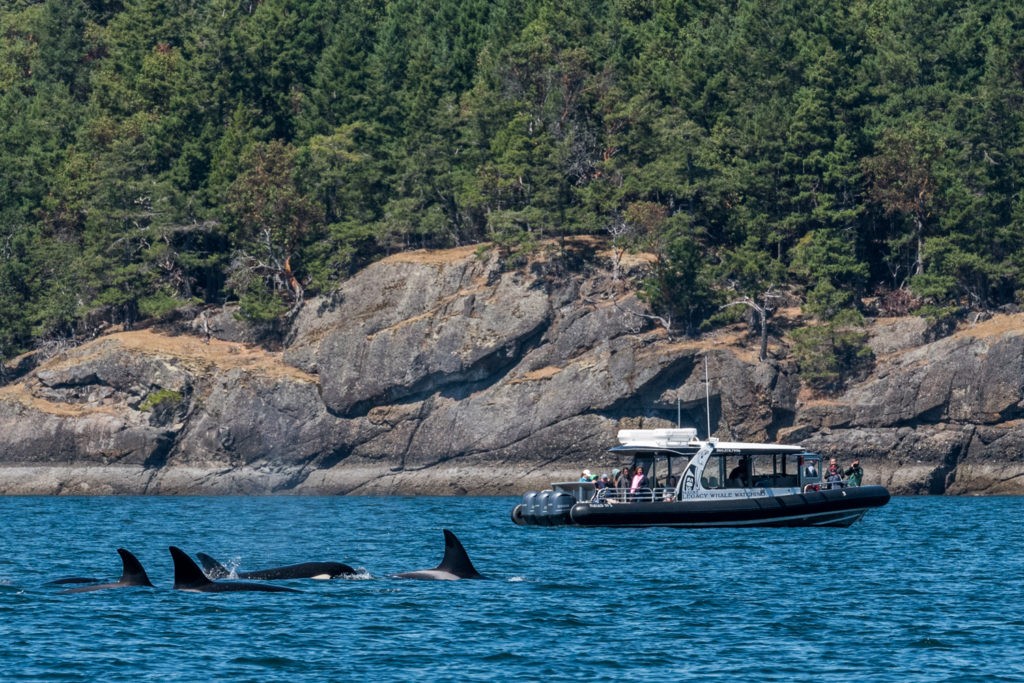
(678, 466)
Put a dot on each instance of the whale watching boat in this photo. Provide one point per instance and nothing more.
(712, 483)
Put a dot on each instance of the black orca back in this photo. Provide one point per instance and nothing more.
(73, 580)
(189, 577)
(132, 574)
(304, 570)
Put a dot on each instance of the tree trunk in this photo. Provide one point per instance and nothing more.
(764, 334)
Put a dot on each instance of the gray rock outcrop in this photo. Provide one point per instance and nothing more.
(442, 373)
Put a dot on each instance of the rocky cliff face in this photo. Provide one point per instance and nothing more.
(440, 373)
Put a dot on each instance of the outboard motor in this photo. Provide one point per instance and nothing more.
(525, 514)
(548, 507)
(561, 507)
(556, 507)
(544, 508)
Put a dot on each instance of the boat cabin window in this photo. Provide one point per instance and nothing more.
(714, 475)
(810, 468)
(663, 469)
(761, 470)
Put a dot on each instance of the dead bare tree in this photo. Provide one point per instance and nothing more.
(762, 310)
(620, 231)
(636, 315)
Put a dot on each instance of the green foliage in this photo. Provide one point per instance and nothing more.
(749, 271)
(15, 291)
(512, 234)
(160, 398)
(157, 304)
(827, 259)
(678, 288)
(832, 354)
(258, 304)
(163, 151)
(957, 273)
(274, 220)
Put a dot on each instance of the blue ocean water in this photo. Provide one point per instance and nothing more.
(925, 589)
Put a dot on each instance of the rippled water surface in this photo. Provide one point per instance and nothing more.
(925, 589)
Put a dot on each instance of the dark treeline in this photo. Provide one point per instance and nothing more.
(161, 152)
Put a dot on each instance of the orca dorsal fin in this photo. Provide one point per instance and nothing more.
(456, 561)
(213, 568)
(133, 573)
(187, 573)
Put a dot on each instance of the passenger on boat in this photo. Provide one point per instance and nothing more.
(586, 476)
(811, 472)
(855, 474)
(603, 482)
(623, 480)
(640, 481)
(739, 473)
(834, 475)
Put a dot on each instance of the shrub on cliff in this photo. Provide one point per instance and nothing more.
(833, 353)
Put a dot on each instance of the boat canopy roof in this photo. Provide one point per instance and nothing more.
(658, 438)
(686, 441)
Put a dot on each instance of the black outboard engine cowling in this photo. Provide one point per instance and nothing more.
(544, 508)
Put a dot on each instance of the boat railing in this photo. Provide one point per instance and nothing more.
(646, 495)
(580, 490)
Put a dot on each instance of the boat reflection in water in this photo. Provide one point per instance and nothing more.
(694, 483)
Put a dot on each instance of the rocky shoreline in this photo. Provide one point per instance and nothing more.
(440, 373)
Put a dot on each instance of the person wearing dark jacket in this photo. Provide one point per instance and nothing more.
(855, 474)
(623, 480)
(740, 474)
(834, 475)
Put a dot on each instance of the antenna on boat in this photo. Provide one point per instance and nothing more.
(679, 412)
(707, 395)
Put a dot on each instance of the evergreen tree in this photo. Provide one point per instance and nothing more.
(837, 150)
(273, 220)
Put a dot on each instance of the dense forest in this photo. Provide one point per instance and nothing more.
(163, 153)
